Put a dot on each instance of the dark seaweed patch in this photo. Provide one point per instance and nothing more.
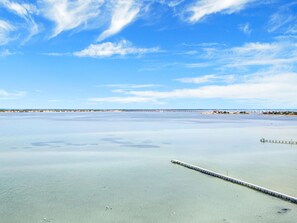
(284, 210)
(57, 144)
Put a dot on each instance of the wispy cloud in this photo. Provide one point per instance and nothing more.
(130, 86)
(76, 15)
(124, 100)
(109, 49)
(196, 65)
(174, 3)
(207, 79)
(68, 15)
(284, 20)
(55, 100)
(25, 11)
(262, 54)
(57, 54)
(250, 54)
(202, 8)
(123, 13)
(89, 14)
(5, 32)
(267, 86)
(21, 9)
(6, 52)
(245, 28)
(81, 15)
(256, 47)
(5, 95)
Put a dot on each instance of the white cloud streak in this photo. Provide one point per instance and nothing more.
(284, 20)
(256, 47)
(207, 79)
(68, 15)
(203, 8)
(123, 13)
(276, 87)
(4, 95)
(174, 3)
(79, 15)
(54, 100)
(24, 11)
(6, 52)
(21, 9)
(270, 88)
(263, 54)
(5, 30)
(130, 86)
(124, 100)
(276, 53)
(109, 49)
(245, 28)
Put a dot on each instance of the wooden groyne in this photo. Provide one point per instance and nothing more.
(236, 181)
(290, 142)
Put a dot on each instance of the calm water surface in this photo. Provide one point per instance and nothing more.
(115, 167)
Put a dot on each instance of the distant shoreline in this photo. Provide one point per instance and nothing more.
(248, 112)
(201, 111)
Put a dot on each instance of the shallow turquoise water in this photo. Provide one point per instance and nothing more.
(115, 167)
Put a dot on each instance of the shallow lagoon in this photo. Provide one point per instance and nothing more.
(115, 167)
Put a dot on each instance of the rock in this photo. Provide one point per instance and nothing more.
(107, 208)
(283, 210)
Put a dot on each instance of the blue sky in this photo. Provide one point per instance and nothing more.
(148, 54)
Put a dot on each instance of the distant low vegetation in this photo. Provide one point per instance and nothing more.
(279, 113)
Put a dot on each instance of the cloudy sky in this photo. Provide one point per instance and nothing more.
(148, 54)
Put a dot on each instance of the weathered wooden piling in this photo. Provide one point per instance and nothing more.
(291, 142)
(236, 181)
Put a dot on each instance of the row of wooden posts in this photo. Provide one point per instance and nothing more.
(243, 183)
(237, 181)
(291, 142)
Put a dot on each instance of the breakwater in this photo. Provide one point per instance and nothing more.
(290, 142)
(237, 181)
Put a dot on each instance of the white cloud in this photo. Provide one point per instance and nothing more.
(284, 20)
(57, 54)
(130, 86)
(272, 87)
(278, 53)
(202, 8)
(4, 95)
(109, 49)
(263, 62)
(292, 29)
(6, 52)
(279, 20)
(75, 14)
(123, 13)
(261, 54)
(170, 3)
(68, 14)
(21, 9)
(245, 28)
(207, 79)
(253, 47)
(5, 30)
(25, 11)
(196, 65)
(54, 100)
(124, 100)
